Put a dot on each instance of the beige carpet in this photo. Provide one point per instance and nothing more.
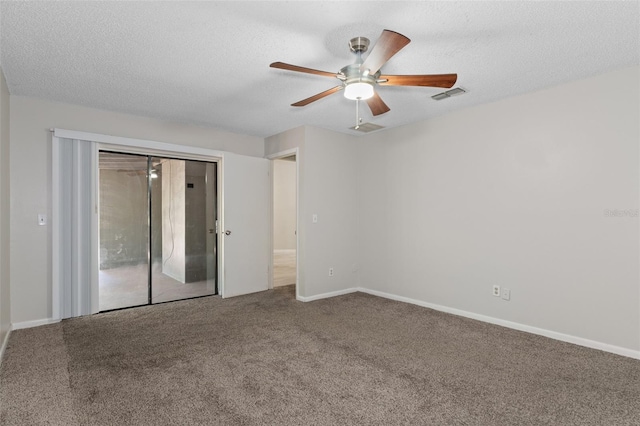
(266, 359)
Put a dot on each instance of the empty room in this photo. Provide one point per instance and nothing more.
(319, 213)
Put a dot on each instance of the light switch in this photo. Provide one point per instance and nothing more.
(506, 294)
(314, 218)
(42, 219)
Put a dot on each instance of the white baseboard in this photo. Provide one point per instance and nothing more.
(4, 345)
(514, 325)
(34, 323)
(327, 295)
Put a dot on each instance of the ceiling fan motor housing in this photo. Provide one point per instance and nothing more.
(352, 74)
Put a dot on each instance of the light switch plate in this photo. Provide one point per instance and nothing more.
(506, 294)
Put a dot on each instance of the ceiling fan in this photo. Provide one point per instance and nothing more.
(360, 80)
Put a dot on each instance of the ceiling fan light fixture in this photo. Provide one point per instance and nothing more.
(359, 90)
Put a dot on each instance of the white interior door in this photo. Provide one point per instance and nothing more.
(246, 225)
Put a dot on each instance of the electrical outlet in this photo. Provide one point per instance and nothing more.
(330, 272)
(496, 290)
(506, 294)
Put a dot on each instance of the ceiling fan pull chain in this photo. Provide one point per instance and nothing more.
(358, 119)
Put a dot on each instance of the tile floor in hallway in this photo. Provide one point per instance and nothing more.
(284, 267)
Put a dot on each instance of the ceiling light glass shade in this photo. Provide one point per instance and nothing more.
(356, 91)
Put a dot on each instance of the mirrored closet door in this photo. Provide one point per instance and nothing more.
(157, 229)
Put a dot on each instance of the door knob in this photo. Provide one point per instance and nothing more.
(227, 232)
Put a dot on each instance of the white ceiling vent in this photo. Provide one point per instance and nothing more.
(449, 93)
(367, 127)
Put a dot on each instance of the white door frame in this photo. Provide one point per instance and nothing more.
(272, 157)
(125, 145)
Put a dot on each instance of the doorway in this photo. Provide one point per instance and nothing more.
(285, 223)
(157, 229)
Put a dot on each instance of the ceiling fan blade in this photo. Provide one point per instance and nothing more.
(389, 43)
(377, 105)
(317, 96)
(290, 67)
(433, 80)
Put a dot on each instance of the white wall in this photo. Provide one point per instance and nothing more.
(514, 193)
(5, 301)
(328, 187)
(331, 191)
(284, 205)
(31, 188)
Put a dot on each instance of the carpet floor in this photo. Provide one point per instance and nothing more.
(267, 359)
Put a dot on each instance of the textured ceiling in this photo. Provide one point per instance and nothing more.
(207, 63)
